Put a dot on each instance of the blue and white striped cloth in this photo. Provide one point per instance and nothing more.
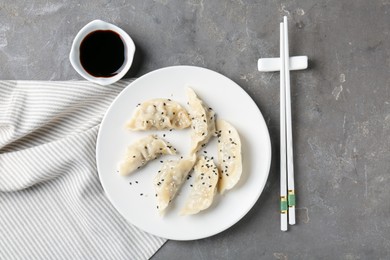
(52, 205)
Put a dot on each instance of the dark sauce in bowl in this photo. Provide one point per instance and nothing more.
(102, 53)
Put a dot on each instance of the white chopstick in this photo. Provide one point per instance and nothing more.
(283, 174)
(290, 158)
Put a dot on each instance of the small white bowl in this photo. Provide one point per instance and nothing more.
(95, 25)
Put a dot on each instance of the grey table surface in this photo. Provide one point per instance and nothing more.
(340, 105)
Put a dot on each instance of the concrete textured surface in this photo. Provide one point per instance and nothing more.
(341, 105)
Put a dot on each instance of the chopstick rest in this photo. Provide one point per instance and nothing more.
(273, 64)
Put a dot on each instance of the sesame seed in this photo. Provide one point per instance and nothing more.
(156, 196)
(136, 181)
(130, 183)
(203, 183)
(169, 99)
(161, 161)
(163, 135)
(141, 194)
(205, 151)
(146, 147)
(164, 104)
(191, 185)
(209, 186)
(157, 207)
(170, 130)
(204, 121)
(230, 132)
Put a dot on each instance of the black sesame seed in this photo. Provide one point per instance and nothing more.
(163, 135)
(146, 147)
(157, 207)
(170, 130)
(191, 185)
(204, 121)
(136, 181)
(230, 132)
(203, 183)
(141, 194)
(130, 183)
(169, 99)
(165, 104)
(209, 186)
(156, 196)
(205, 151)
(161, 161)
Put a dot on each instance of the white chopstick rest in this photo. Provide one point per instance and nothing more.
(283, 174)
(284, 64)
(273, 64)
(290, 157)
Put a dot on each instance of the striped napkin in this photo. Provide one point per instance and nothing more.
(52, 205)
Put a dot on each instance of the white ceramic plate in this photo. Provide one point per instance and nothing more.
(230, 102)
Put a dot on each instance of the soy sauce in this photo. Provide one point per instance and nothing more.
(102, 53)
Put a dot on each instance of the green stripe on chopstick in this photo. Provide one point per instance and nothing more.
(291, 198)
(283, 205)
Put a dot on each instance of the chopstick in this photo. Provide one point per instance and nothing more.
(287, 199)
(290, 158)
(283, 173)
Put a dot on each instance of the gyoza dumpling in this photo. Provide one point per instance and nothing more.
(159, 114)
(202, 121)
(142, 151)
(204, 187)
(170, 178)
(229, 155)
